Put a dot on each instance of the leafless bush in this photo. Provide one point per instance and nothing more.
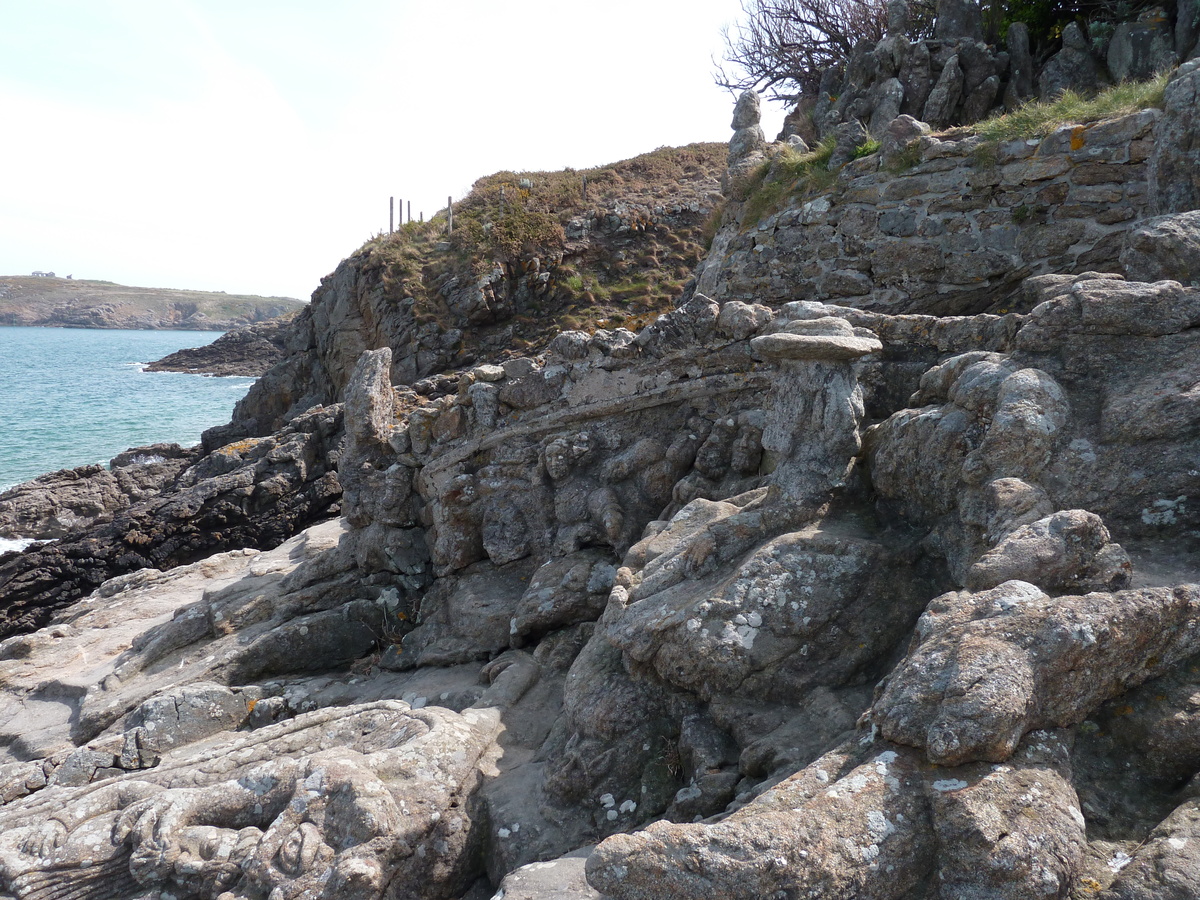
(782, 46)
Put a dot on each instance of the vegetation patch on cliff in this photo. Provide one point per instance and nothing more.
(789, 175)
(530, 253)
(1038, 119)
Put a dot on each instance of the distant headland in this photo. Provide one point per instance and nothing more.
(44, 299)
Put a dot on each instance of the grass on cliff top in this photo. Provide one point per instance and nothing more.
(510, 214)
(1039, 119)
(509, 219)
(789, 174)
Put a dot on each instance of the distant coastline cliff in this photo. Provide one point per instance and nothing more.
(73, 303)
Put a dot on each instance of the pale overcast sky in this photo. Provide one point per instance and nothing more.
(249, 145)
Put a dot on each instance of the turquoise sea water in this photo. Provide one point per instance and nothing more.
(73, 396)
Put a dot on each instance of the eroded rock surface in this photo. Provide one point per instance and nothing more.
(775, 598)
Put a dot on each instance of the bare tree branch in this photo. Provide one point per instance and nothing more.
(782, 46)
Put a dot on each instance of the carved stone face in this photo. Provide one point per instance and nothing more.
(562, 454)
(558, 459)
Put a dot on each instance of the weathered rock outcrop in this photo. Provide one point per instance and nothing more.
(255, 493)
(1174, 182)
(955, 77)
(61, 503)
(248, 352)
(629, 223)
(956, 233)
(771, 599)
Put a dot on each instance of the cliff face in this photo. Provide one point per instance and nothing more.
(67, 303)
(786, 599)
(612, 254)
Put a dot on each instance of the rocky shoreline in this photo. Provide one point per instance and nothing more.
(248, 352)
(798, 591)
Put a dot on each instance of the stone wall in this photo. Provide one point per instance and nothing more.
(956, 233)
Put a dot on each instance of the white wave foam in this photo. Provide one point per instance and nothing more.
(11, 545)
(147, 459)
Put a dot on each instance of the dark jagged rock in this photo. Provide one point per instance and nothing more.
(72, 500)
(1073, 67)
(248, 352)
(1174, 169)
(254, 494)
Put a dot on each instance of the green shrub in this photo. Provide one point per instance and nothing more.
(871, 146)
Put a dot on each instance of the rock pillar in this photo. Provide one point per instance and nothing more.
(811, 435)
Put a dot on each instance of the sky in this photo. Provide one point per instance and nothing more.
(248, 146)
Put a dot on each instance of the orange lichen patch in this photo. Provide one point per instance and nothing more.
(1077, 137)
(1123, 711)
(250, 704)
(237, 448)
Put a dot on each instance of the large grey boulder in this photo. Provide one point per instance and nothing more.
(563, 592)
(958, 19)
(1165, 248)
(989, 667)
(556, 879)
(1068, 551)
(869, 820)
(889, 96)
(848, 137)
(1174, 167)
(1187, 28)
(1020, 62)
(1140, 50)
(900, 133)
(792, 616)
(1073, 67)
(945, 95)
(1013, 416)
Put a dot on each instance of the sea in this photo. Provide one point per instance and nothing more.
(72, 396)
